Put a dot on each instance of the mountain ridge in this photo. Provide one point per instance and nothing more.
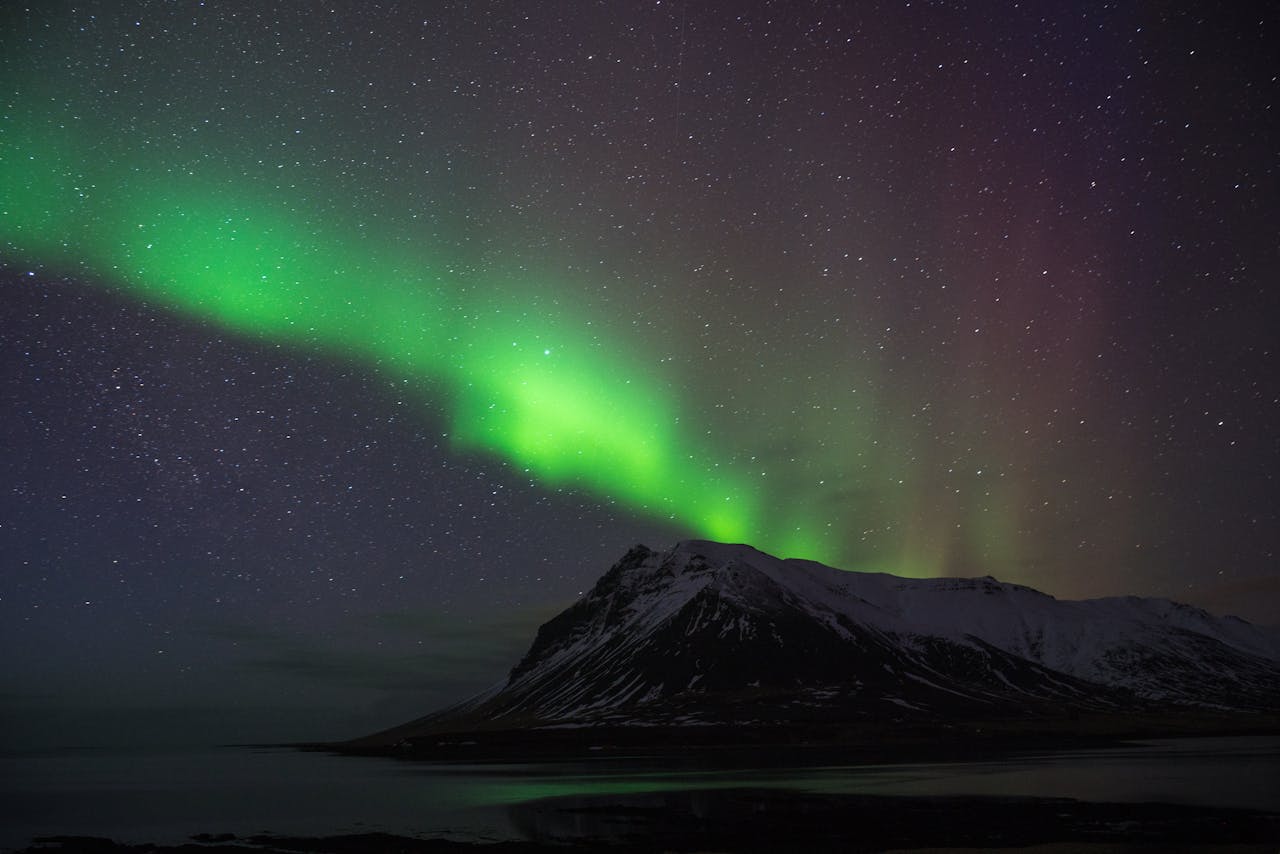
(710, 634)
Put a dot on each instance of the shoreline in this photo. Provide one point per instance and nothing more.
(863, 743)
(756, 820)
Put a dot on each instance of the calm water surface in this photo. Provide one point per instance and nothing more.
(168, 796)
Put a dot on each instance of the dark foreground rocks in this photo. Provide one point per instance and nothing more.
(745, 820)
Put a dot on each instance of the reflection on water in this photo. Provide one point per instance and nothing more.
(166, 797)
(1220, 772)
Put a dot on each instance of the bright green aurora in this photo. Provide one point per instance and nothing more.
(523, 378)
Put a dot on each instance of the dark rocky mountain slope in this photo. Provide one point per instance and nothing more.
(715, 635)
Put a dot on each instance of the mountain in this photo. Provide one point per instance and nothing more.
(709, 634)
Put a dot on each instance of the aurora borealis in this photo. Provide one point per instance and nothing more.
(523, 380)
(323, 317)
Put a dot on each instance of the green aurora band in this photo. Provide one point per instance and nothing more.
(531, 384)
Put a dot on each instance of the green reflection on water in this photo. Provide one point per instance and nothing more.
(515, 789)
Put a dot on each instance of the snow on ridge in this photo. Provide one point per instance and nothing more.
(1095, 639)
(1002, 613)
(1152, 647)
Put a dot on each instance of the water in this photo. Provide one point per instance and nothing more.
(168, 796)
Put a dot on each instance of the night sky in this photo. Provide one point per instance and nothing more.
(344, 343)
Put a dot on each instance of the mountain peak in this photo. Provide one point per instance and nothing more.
(719, 553)
(714, 632)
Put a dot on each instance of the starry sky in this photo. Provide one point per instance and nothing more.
(344, 343)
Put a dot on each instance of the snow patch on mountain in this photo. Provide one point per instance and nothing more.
(721, 632)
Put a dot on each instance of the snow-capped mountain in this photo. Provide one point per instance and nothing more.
(714, 633)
